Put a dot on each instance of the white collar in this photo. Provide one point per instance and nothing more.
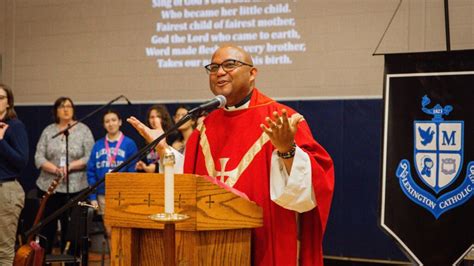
(233, 108)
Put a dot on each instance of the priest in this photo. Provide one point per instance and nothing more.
(265, 150)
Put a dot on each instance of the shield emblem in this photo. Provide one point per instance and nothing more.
(438, 152)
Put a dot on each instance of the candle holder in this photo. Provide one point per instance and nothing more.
(165, 217)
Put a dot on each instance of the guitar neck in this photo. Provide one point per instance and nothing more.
(44, 199)
(39, 214)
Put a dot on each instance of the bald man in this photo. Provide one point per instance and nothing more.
(265, 150)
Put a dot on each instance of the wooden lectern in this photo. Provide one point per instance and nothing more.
(218, 231)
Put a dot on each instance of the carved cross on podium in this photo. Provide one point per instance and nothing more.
(149, 200)
(119, 199)
(209, 201)
(179, 201)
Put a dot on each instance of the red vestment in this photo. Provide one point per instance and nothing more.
(237, 135)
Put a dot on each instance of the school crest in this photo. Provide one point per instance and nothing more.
(438, 160)
(428, 155)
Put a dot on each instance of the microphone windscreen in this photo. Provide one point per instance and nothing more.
(222, 101)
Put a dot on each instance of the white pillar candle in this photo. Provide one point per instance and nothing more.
(169, 189)
(168, 162)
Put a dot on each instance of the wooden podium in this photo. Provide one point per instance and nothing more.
(218, 231)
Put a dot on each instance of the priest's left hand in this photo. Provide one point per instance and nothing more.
(282, 130)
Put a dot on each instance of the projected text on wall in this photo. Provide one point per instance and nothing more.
(187, 32)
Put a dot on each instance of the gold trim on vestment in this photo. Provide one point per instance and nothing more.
(206, 150)
(234, 174)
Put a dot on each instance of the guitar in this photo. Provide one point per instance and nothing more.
(31, 253)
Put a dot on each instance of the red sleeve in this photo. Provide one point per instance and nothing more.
(313, 223)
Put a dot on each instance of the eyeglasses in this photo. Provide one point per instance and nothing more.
(65, 107)
(3, 97)
(228, 65)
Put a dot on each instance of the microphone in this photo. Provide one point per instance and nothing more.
(217, 102)
(126, 99)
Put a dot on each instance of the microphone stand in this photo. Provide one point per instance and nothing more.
(66, 133)
(82, 196)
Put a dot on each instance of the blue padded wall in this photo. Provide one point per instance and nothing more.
(351, 132)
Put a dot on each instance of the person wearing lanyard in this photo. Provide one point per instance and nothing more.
(50, 158)
(13, 159)
(107, 153)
